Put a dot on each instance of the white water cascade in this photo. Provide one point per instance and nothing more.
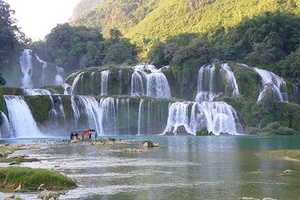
(26, 68)
(34, 92)
(104, 82)
(137, 84)
(157, 85)
(92, 77)
(21, 120)
(58, 78)
(108, 116)
(91, 109)
(5, 128)
(146, 80)
(217, 117)
(74, 84)
(43, 70)
(140, 116)
(230, 80)
(205, 83)
(273, 82)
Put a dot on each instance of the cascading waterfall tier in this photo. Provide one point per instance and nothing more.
(230, 81)
(205, 90)
(119, 116)
(144, 80)
(217, 117)
(211, 82)
(272, 82)
(20, 118)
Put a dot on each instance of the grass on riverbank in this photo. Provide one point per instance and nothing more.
(30, 179)
(282, 154)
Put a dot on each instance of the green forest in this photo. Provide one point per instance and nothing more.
(264, 34)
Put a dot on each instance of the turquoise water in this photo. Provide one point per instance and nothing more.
(188, 167)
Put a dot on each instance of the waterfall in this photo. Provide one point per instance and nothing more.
(75, 110)
(26, 67)
(43, 70)
(91, 110)
(205, 84)
(75, 81)
(140, 116)
(92, 77)
(230, 80)
(274, 82)
(108, 116)
(104, 81)
(158, 86)
(58, 78)
(20, 117)
(120, 81)
(5, 128)
(34, 92)
(154, 80)
(137, 85)
(215, 116)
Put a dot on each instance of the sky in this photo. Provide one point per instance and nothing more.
(36, 18)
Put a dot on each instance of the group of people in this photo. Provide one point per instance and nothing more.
(83, 136)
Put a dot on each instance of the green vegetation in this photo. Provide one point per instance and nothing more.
(31, 179)
(10, 38)
(79, 47)
(282, 154)
(43, 103)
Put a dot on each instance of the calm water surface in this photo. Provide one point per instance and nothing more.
(180, 168)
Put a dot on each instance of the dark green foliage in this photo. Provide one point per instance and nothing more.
(202, 132)
(3, 108)
(290, 67)
(79, 47)
(10, 38)
(40, 107)
(73, 47)
(266, 38)
(31, 179)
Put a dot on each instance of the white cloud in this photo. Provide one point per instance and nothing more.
(37, 17)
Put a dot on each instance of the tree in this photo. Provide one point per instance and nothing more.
(278, 32)
(74, 47)
(119, 53)
(9, 33)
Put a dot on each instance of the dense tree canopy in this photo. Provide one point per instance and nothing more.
(270, 41)
(78, 47)
(264, 39)
(10, 37)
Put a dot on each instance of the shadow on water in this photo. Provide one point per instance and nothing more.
(180, 168)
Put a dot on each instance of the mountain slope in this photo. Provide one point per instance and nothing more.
(144, 21)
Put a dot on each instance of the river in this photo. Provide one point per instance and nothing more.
(188, 167)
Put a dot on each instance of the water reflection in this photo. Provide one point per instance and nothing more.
(181, 168)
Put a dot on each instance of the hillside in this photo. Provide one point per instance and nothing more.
(145, 21)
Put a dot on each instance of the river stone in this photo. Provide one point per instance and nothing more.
(48, 195)
(12, 197)
(181, 130)
(14, 156)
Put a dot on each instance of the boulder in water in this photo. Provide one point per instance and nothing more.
(148, 143)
